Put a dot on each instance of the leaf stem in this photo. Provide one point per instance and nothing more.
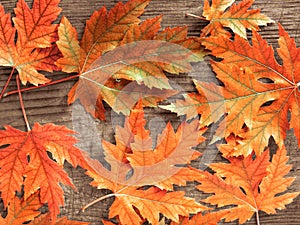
(257, 218)
(98, 200)
(7, 83)
(22, 104)
(195, 16)
(42, 85)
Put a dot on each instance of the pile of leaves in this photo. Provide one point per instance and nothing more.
(122, 61)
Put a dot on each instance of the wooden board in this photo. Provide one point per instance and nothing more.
(49, 105)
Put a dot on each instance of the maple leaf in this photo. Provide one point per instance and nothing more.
(124, 60)
(34, 48)
(257, 95)
(26, 156)
(151, 203)
(238, 17)
(249, 185)
(20, 210)
(105, 222)
(135, 165)
(210, 218)
(45, 219)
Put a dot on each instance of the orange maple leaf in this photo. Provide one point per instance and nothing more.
(238, 17)
(156, 169)
(35, 47)
(120, 60)
(257, 95)
(21, 211)
(45, 219)
(105, 222)
(26, 156)
(249, 185)
(210, 218)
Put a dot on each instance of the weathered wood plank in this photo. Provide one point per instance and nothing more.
(49, 104)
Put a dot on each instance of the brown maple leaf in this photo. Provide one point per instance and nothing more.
(257, 95)
(141, 176)
(120, 60)
(34, 48)
(25, 161)
(248, 185)
(237, 17)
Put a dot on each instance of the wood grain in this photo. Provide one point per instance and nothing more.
(49, 105)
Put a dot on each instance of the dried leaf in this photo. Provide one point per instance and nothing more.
(257, 95)
(151, 203)
(136, 178)
(248, 185)
(34, 48)
(105, 222)
(26, 156)
(238, 17)
(20, 210)
(211, 218)
(120, 60)
(45, 219)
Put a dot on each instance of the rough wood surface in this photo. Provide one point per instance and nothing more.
(49, 105)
